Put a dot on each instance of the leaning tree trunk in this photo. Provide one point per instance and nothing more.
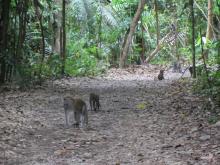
(131, 32)
(161, 44)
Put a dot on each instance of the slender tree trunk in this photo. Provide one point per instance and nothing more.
(4, 23)
(157, 21)
(43, 45)
(124, 41)
(142, 43)
(57, 18)
(99, 45)
(161, 44)
(204, 60)
(193, 37)
(22, 20)
(15, 39)
(176, 48)
(40, 18)
(131, 32)
(63, 41)
(209, 31)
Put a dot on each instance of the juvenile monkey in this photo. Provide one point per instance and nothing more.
(160, 75)
(94, 101)
(78, 107)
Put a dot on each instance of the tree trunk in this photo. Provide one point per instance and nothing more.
(193, 37)
(178, 69)
(131, 32)
(99, 40)
(209, 31)
(4, 23)
(56, 47)
(157, 21)
(142, 43)
(63, 40)
(204, 60)
(156, 50)
(40, 19)
(21, 35)
(159, 46)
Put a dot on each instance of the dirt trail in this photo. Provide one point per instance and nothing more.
(142, 121)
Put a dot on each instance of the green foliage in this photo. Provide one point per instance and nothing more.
(95, 34)
(209, 86)
(217, 7)
(213, 119)
(161, 60)
(80, 64)
(141, 106)
(53, 66)
(81, 60)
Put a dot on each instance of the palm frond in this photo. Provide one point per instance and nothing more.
(80, 9)
(108, 15)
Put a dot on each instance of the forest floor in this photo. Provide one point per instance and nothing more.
(142, 121)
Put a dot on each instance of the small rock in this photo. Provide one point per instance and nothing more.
(166, 146)
(62, 151)
(205, 137)
(194, 129)
(140, 154)
(178, 145)
(141, 160)
(217, 152)
(87, 155)
(217, 124)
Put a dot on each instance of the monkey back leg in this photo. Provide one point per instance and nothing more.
(76, 119)
(90, 102)
(94, 105)
(66, 118)
(84, 117)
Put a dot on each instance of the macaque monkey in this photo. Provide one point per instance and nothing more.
(191, 70)
(94, 101)
(160, 76)
(78, 107)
